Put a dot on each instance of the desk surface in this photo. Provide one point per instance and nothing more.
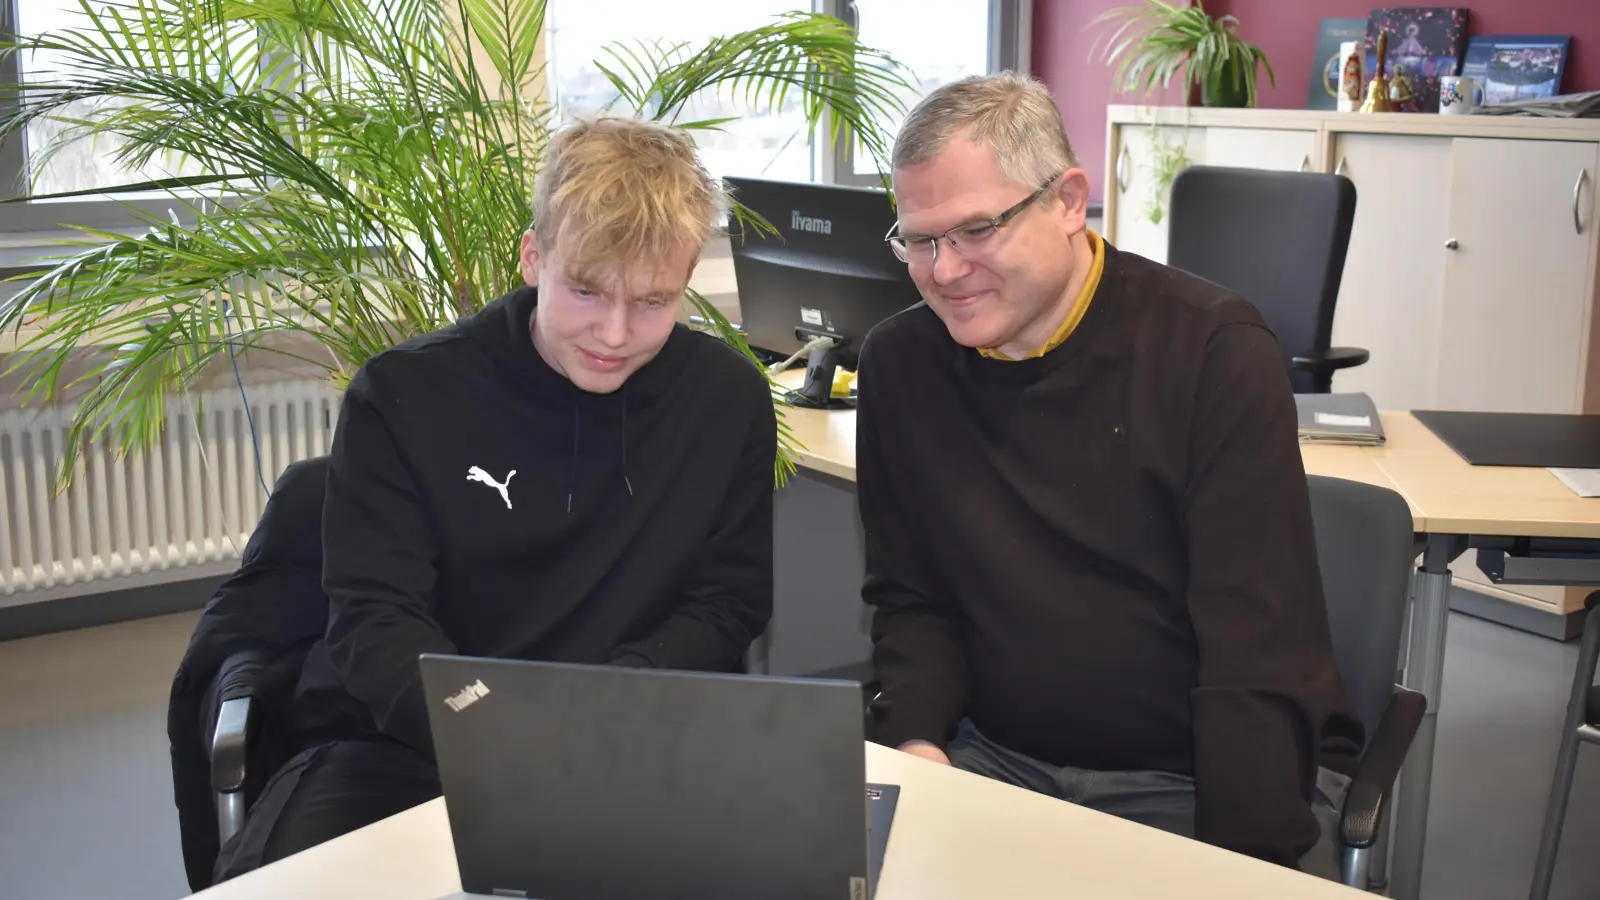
(1456, 497)
(955, 835)
(1447, 495)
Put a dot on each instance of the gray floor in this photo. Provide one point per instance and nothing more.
(86, 803)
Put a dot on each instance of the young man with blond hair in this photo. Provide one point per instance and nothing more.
(569, 474)
(1088, 531)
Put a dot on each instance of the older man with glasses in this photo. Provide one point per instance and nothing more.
(1088, 535)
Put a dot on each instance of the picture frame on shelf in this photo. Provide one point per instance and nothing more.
(1425, 44)
(1517, 67)
(1325, 64)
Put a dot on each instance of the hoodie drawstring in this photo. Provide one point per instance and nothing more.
(572, 467)
(625, 441)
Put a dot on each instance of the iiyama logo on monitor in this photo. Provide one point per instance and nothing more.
(806, 223)
(467, 696)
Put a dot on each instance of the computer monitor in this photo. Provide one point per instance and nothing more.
(827, 273)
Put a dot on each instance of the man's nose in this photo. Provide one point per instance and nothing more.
(948, 265)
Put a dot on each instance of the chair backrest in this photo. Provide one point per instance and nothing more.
(1277, 238)
(1365, 549)
(272, 603)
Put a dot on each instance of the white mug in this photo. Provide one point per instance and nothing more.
(1459, 95)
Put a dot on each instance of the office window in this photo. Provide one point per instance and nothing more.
(938, 40)
(83, 164)
(761, 143)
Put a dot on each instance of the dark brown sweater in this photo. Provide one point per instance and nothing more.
(1104, 556)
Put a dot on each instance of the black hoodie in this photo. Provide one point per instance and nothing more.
(637, 528)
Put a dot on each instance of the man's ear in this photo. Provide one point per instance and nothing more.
(528, 259)
(1073, 189)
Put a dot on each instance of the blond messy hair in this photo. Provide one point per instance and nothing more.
(614, 191)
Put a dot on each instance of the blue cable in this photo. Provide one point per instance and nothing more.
(249, 417)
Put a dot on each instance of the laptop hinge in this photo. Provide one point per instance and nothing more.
(509, 892)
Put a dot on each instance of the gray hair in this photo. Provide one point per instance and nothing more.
(1013, 113)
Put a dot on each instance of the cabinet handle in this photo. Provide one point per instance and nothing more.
(1339, 169)
(1577, 195)
(1305, 163)
(1123, 159)
(1452, 244)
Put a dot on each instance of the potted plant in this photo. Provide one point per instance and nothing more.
(354, 173)
(1155, 40)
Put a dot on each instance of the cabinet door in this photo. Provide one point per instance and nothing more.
(1516, 288)
(1390, 296)
(1262, 148)
(1145, 154)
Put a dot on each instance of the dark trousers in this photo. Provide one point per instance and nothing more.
(329, 790)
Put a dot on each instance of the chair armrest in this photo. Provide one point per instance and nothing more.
(228, 745)
(238, 679)
(1375, 775)
(1332, 359)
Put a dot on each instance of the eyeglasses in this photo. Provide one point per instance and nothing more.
(964, 239)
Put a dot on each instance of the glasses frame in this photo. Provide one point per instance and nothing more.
(898, 243)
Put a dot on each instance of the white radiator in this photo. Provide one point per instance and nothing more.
(182, 510)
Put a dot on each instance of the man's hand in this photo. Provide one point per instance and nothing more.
(926, 751)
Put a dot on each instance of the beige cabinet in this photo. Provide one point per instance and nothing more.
(1471, 270)
(1516, 276)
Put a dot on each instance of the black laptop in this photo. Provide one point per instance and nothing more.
(567, 782)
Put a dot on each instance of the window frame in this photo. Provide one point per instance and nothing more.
(51, 218)
(1010, 48)
(1010, 37)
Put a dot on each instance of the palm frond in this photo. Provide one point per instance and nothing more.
(342, 175)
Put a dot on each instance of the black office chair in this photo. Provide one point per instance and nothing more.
(1365, 551)
(1279, 239)
(1583, 724)
(227, 717)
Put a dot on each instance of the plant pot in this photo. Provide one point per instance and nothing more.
(1228, 88)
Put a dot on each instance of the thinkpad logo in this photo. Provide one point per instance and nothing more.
(806, 223)
(467, 696)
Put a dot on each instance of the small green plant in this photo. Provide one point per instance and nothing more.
(1155, 40)
(1169, 159)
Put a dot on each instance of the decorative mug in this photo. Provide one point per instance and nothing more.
(1459, 95)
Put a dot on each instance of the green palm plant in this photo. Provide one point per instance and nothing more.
(1155, 40)
(353, 175)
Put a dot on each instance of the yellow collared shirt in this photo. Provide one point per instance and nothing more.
(1079, 306)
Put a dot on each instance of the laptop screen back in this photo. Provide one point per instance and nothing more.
(571, 782)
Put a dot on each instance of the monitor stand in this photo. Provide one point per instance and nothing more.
(817, 392)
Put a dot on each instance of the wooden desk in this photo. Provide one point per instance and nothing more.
(1459, 498)
(955, 836)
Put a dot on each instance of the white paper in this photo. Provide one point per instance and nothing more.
(1583, 482)
(1323, 418)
